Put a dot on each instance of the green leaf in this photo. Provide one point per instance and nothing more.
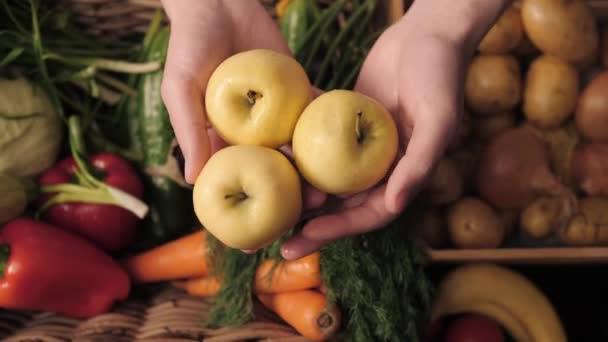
(11, 56)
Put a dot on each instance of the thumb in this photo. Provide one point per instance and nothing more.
(190, 62)
(426, 146)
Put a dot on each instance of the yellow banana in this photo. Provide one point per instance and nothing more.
(503, 294)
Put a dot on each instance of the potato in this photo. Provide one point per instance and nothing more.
(431, 228)
(579, 232)
(592, 109)
(493, 84)
(561, 143)
(589, 167)
(487, 127)
(472, 224)
(505, 35)
(546, 215)
(563, 28)
(550, 92)
(590, 226)
(595, 209)
(445, 185)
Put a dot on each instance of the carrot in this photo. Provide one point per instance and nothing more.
(185, 257)
(205, 286)
(306, 311)
(280, 8)
(292, 275)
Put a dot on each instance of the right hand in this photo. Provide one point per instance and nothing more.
(203, 35)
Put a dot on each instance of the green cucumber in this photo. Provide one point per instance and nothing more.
(166, 189)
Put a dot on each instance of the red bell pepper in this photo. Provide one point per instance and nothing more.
(46, 268)
(99, 200)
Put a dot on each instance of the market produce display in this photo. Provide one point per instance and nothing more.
(92, 180)
(531, 148)
(106, 179)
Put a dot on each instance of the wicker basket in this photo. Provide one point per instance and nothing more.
(171, 315)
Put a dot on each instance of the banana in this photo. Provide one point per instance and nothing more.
(503, 294)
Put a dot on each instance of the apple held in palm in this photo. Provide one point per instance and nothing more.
(247, 196)
(344, 142)
(256, 97)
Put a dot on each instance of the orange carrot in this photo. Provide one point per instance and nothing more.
(306, 311)
(185, 257)
(292, 275)
(281, 7)
(206, 286)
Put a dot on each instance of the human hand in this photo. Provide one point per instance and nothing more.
(416, 71)
(204, 34)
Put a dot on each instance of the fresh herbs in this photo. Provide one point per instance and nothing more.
(40, 42)
(378, 280)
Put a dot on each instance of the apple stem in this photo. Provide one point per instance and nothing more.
(359, 128)
(239, 196)
(252, 96)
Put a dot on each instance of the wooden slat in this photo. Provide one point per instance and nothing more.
(544, 255)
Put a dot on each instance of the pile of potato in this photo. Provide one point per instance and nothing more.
(542, 66)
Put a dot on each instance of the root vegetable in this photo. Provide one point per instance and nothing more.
(590, 226)
(595, 209)
(561, 143)
(565, 29)
(578, 232)
(431, 228)
(592, 109)
(300, 274)
(514, 169)
(590, 168)
(488, 127)
(445, 185)
(505, 35)
(473, 224)
(307, 311)
(546, 215)
(185, 257)
(493, 84)
(206, 286)
(550, 91)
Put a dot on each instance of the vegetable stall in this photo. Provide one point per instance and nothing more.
(103, 239)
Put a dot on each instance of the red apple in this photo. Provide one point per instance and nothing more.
(474, 328)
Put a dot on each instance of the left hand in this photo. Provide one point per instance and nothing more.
(418, 77)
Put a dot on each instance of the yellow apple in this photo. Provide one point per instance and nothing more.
(344, 142)
(256, 97)
(247, 196)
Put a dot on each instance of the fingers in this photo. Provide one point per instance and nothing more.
(368, 216)
(195, 50)
(312, 198)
